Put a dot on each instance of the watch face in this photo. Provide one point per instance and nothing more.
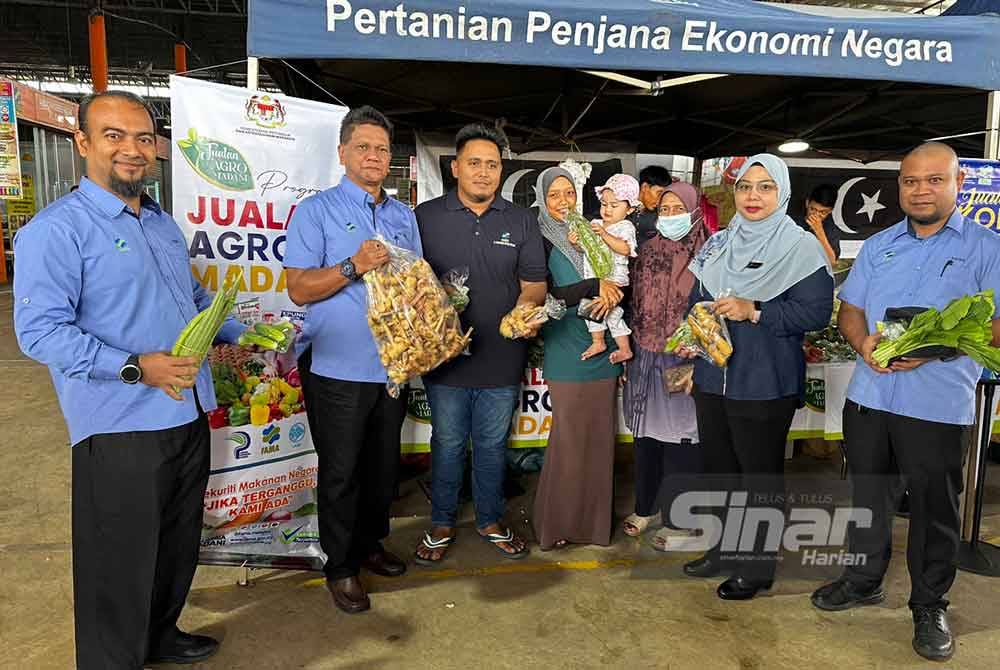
(347, 269)
(130, 374)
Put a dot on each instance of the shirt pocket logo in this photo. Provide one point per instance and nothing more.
(504, 241)
(121, 245)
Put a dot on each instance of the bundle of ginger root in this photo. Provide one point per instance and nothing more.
(415, 326)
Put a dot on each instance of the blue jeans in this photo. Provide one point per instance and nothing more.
(458, 414)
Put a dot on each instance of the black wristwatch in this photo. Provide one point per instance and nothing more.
(348, 270)
(131, 373)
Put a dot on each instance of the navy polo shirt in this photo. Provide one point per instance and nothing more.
(501, 247)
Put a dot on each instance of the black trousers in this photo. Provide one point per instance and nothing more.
(661, 471)
(743, 449)
(355, 427)
(137, 515)
(929, 456)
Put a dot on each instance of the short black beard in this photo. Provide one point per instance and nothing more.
(127, 189)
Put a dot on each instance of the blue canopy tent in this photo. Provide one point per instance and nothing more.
(896, 79)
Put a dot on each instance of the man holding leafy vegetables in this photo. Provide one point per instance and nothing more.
(912, 401)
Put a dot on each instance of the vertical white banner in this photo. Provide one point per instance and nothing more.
(242, 161)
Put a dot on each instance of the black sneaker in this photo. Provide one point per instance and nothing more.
(843, 594)
(932, 637)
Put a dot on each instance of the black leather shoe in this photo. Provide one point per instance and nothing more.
(843, 595)
(932, 637)
(186, 649)
(348, 595)
(741, 588)
(706, 566)
(385, 564)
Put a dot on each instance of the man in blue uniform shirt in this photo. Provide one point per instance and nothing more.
(103, 286)
(916, 412)
(355, 424)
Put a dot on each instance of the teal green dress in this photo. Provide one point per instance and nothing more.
(573, 499)
(567, 338)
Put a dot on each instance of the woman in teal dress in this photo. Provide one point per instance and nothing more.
(573, 501)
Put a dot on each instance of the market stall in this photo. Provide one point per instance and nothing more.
(557, 76)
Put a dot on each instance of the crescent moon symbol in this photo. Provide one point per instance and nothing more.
(838, 207)
(508, 186)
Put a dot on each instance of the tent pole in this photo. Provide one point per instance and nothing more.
(992, 143)
(253, 73)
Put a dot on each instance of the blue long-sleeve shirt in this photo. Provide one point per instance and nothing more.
(93, 284)
(767, 361)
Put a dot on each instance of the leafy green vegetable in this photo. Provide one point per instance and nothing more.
(964, 324)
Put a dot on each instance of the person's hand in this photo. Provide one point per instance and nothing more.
(734, 309)
(597, 227)
(599, 308)
(573, 238)
(868, 348)
(904, 364)
(168, 373)
(815, 222)
(370, 255)
(685, 352)
(611, 293)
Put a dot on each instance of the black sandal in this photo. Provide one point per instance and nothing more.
(507, 537)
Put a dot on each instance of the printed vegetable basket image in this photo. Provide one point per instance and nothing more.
(253, 388)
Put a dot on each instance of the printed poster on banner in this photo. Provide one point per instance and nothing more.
(979, 197)
(10, 162)
(240, 167)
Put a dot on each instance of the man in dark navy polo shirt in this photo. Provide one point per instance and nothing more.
(474, 396)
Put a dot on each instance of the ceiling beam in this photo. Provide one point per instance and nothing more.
(757, 119)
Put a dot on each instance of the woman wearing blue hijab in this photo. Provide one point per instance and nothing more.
(772, 282)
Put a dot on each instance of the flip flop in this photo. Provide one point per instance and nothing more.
(430, 543)
(508, 536)
(640, 523)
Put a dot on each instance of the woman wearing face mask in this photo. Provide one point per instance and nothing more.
(663, 425)
(772, 283)
(573, 499)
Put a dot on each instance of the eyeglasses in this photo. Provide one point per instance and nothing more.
(673, 211)
(763, 187)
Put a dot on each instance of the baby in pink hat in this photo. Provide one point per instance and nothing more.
(619, 198)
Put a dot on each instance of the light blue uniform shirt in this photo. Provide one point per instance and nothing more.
(326, 229)
(897, 269)
(93, 285)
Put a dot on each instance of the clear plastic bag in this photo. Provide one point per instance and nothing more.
(415, 326)
(453, 283)
(704, 332)
(525, 318)
(678, 379)
(585, 310)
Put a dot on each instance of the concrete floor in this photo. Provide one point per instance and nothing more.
(626, 606)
